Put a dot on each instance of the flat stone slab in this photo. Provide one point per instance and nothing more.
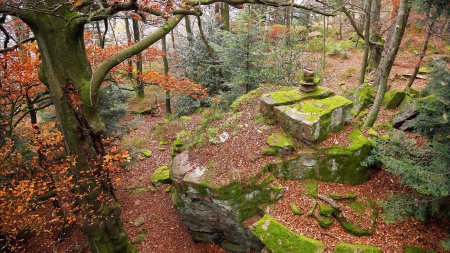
(279, 239)
(311, 121)
(289, 96)
(340, 164)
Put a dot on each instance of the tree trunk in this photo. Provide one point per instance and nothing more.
(190, 35)
(226, 17)
(422, 53)
(376, 48)
(128, 32)
(166, 73)
(67, 72)
(366, 42)
(387, 60)
(139, 84)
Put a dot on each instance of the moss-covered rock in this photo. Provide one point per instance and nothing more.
(324, 221)
(312, 120)
(358, 229)
(295, 210)
(280, 140)
(355, 248)
(215, 213)
(311, 188)
(146, 152)
(161, 175)
(280, 239)
(413, 249)
(326, 210)
(362, 97)
(288, 96)
(337, 196)
(393, 98)
(341, 164)
(270, 151)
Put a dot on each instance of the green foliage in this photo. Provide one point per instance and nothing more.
(112, 107)
(434, 110)
(185, 105)
(401, 206)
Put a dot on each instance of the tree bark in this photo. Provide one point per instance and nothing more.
(226, 17)
(67, 72)
(139, 84)
(190, 35)
(128, 32)
(166, 73)
(387, 60)
(367, 43)
(376, 48)
(422, 53)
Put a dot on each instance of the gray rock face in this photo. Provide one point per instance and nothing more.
(215, 213)
(408, 110)
(311, 121)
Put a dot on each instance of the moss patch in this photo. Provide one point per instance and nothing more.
(280, 239)
(355, 248)
(326, 210)
(337, 196)
(146, 152)
(290, 96)
(161, 175)
(413, 249)
(324, 221)
(361, 97)
(280, 140)
(317, 108)
(393, 98)
(357, 206)
(295, 210)
(269, 151)
(311, 188)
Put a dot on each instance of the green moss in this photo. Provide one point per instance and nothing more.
(164, 142)
(186, 118)
(413, 249)
(393, 98)
(146, 152)
(326, 210)
(140, 237)
(161, 175)
(317, 108)
(355, 248)
(372, 132)
(295, 210)
(357, 206)
(293, 95)
(269, 151)
(324, 221)
(337, 196)
(361, 97)
(280, 239)
(234, 106)
(311, 188)
(280, 140)
(355, 229)
(424, 70)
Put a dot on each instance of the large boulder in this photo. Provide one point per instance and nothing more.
(362, 97)
(393, 98)
(214, 213)
(288, 96)
(279, 239)
(341, 164)
(408, 110)
(312, 120)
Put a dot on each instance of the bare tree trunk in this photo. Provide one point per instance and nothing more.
(128, 32)
(172, 35)
(387, 60)
(376, 48)
(422, 53)
(190, 36)
(139, 84)
(324, 44)
(166, 74)
(367, 42)
(226, 16)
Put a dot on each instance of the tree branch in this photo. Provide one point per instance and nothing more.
(102, 70)
(31, 39)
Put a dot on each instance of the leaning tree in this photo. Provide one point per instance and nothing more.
(58, 27)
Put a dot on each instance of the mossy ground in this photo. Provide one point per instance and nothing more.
(355, 248)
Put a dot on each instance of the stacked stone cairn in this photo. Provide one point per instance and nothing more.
(309, 81)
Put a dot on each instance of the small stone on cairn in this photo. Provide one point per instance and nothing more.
(309, 82)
